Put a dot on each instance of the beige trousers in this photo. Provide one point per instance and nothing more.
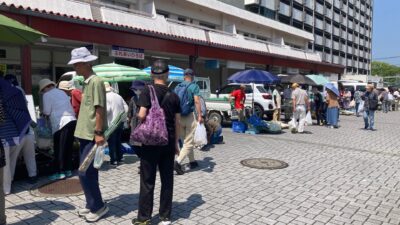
(188, 127)
(277, 115)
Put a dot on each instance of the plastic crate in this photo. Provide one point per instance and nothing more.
(238, 127)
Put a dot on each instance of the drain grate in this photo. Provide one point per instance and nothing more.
(264, 163)
(59, 188)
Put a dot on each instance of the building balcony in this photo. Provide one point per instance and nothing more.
(343, 47)
(328, 43)
(328, 13)
(298, 15)
(336, 31)
(319, 8)
(336, 45)
(299, 1)
(309, 19)
(319, 24)
(309, 4)
(335, 59)
(318, 40)
(328, 27)
(336, 17)
(284, 9)
(336, 4)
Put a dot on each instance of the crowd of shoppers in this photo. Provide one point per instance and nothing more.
(98, 106)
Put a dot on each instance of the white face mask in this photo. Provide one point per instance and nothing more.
(137, 92)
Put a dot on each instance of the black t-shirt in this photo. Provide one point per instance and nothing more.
(171, 105)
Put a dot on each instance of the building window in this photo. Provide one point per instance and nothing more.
(208, 25)
(162, 13)
(182, 19)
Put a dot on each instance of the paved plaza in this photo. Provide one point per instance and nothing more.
(335, 176)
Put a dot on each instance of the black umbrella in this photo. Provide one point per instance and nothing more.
(300, 79)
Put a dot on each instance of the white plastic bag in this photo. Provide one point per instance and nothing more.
(200, 135)
(292, 125)
(361, 107)
(308, 118)
(99, 157)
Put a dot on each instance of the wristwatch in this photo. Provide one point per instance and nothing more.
(98, 132)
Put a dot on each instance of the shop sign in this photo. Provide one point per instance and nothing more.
(3, 68)
(127, 53)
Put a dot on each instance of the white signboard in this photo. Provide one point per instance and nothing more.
(127, 53)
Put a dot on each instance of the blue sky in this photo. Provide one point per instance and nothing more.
(386, 30)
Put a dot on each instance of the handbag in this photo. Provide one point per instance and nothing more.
(152, 131)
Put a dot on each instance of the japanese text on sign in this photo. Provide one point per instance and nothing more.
(128, 53)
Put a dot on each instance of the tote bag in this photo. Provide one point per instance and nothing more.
(152, 131)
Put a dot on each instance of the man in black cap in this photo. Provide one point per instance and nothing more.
(161, 157)
(189, 95)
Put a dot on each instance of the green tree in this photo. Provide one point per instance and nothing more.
(384, 69)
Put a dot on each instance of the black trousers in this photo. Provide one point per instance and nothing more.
(152, 157)
(63, 144)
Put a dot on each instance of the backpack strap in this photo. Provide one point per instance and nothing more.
(165, 98)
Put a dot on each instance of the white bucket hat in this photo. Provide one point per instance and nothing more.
(108, 87)
(81, 54)
(65, 85)
(44, 83)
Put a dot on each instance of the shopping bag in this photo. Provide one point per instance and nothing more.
(352, 104)
(308, 118)
(200, 135)
(361, 107)
(99, 156)
(292, 124)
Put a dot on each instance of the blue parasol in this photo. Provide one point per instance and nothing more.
(332, 87)
(254, 76)
(175, 73)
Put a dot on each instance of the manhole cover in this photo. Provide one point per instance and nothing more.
(264, 163)
(60, 188)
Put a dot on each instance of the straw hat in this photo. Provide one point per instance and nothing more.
(44, 83)
(295, 85)
(65, 85)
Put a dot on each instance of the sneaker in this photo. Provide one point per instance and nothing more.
(178, 168)
(57, 176)
(194, 165)
(137, 222)
(68, 173)
(83, 212)
(93, 217)
(166, 222)
(33, 180)
(113, 163)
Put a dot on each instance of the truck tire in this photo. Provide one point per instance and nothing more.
(259, 111)
(215, 115)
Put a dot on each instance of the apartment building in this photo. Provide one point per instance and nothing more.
(214, 38)
(342, 29)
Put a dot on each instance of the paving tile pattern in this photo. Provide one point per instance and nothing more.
(335, 176)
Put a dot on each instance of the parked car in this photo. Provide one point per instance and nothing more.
(219, 107)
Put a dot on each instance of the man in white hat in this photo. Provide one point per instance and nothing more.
(92, 123)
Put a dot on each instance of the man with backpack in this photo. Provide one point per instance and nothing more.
(189, 95)
(370, 106)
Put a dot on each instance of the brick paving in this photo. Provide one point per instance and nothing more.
(335, 176)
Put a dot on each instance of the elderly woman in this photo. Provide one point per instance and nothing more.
(333, 109)
(57, 106)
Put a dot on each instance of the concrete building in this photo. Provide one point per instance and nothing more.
(214, 38)
(342, 29)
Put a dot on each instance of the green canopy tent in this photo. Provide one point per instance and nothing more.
(318, 79)
(113, 73)
(14, 32)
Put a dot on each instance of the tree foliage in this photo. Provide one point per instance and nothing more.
(384, 69)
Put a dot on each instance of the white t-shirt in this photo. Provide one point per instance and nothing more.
(300, 96)
(57, 105)
(390, 96)
(115, 105)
